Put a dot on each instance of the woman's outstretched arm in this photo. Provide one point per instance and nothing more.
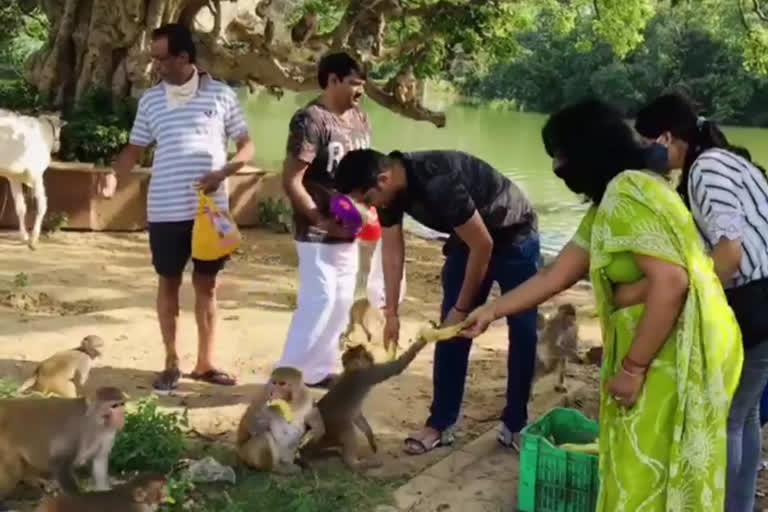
(571, 265)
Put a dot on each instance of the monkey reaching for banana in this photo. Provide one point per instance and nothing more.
(275, 422)
(559, 342)
(341, 407)
(53, 436)
(144, 493)
(65, 373)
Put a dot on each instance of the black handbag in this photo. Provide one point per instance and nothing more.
(750, 305)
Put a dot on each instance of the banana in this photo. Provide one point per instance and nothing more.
(591, 448)
(435, 334)
(283, 407)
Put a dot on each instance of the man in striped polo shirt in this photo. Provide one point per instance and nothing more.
(190, 117)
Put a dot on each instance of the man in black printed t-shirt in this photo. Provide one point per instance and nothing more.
(493, 237)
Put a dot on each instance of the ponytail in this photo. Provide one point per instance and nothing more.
(708, 136)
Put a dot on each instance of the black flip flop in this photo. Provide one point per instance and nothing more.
(217, 377)
(323, 384)
(326, 383)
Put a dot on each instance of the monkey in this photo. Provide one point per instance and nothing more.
(366, 317)
(53, 436)
(66, 372)
(341, 407)
(144, 493)
(558, 343)
(305, 28)
(404, 87)
(266, 439)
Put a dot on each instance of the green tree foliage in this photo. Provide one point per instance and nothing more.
(679, 49)
(25, 30)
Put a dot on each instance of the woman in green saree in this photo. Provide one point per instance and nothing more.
(671, 364)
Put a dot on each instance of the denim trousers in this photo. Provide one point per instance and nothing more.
(510, 266)
(744, 433)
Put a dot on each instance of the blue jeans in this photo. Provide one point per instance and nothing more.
(510, 266)
(744, 436)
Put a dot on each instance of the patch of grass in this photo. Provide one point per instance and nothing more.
(9, 388)
(20, 280)
(330, 489)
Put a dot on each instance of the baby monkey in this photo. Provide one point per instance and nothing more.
(365, 317)
(144, 493)
(65, 373)
(558, 342)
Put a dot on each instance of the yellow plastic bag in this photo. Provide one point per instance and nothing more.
(215, 234)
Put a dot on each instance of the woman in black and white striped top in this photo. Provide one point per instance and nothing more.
(727, 194)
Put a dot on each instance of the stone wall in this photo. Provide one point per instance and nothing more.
(71, 190)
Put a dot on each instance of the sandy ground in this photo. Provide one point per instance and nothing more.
(77, 284)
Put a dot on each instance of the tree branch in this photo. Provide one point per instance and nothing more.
(759, 10)
(215, 7)
(743, 16)
(414, 111)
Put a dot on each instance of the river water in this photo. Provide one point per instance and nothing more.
(510, 141)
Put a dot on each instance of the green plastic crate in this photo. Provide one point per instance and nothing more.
(554, 480)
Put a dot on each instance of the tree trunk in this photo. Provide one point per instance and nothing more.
(105, 44)
(98, 44)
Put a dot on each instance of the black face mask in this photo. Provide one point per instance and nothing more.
(657, 157)
(569, 175)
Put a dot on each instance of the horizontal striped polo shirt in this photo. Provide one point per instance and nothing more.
(191, 141)
(729, 198)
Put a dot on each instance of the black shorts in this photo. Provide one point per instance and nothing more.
(171, 246)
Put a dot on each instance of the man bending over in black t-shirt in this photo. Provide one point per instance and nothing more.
(493, 238)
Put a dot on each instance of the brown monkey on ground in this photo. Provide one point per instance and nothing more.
(144, 493)
(66, 372)
(559, 342)
(53, 436)
(341, 407)
(268, 437)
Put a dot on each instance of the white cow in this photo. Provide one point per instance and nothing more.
(26, 145)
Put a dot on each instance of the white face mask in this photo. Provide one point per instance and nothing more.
(178, 95)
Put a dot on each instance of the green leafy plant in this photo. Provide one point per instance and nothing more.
(151, 440)
(179, 490)
(97, 128)
(54, 221)
(19, 95)
(274, 214)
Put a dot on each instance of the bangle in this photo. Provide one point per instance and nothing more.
(632, 374)
(460, 310)
(635, 364)
(633, 370)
